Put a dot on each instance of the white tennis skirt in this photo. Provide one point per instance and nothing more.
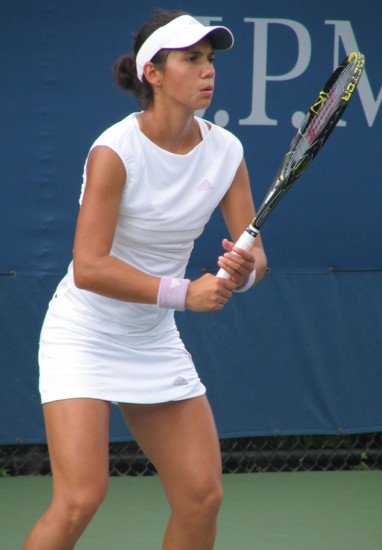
(77, 361)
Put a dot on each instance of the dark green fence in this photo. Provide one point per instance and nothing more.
(244, 455)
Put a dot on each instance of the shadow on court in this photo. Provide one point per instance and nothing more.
(281, 511)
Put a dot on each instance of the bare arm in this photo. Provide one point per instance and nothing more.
(94, 268)
(238, 210)
(97, 271)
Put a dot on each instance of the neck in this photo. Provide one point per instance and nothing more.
(175, 132)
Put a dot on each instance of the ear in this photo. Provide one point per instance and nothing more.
(152, 75)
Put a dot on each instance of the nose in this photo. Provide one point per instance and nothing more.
(208, 70)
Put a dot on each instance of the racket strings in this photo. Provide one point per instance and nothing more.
(328, 107)
(334, 96)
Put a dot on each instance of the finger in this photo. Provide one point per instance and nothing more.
(227, 245)
(227, 266)
(223, 302)
(234, 264)
(245, 258)
(246, 254)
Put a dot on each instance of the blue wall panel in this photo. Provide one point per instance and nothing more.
(301, 353)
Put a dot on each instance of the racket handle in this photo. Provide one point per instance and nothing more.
(245, 241)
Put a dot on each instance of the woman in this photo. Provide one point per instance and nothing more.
(151, 183)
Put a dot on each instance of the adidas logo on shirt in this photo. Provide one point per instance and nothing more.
(180, 381)
(205, 185)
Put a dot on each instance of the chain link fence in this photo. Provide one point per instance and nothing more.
(243, 455)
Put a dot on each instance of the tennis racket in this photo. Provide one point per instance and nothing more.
(311, 136)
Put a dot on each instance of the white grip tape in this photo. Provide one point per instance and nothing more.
(245, 242)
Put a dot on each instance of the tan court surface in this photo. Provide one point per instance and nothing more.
(282, 511)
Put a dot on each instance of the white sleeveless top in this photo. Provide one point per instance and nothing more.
(166, 202)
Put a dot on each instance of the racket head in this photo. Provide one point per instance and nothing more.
(322, 116)
(315, 129)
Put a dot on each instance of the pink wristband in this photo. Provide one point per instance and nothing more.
(248, 283)
(172, 293)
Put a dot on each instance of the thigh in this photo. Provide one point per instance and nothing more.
(181, 440)
(78, 440)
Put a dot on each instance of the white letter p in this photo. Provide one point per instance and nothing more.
(258, 115)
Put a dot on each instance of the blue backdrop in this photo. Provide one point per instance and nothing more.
(302, 352)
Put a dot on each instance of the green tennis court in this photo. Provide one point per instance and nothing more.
(281, 511)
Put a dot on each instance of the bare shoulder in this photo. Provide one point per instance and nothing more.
(105, 173)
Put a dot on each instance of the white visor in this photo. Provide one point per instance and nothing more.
(181, 32)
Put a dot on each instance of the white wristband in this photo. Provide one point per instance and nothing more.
(248, 283)
(172, 293)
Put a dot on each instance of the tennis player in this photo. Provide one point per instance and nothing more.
(151, 183)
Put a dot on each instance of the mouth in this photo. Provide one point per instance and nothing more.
(207, 89)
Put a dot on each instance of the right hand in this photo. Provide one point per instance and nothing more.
(209, 293)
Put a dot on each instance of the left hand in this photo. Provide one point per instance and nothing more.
(239, 263)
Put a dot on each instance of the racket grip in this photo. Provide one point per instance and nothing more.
(245, 241)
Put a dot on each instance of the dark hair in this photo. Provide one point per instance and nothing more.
(125, 69)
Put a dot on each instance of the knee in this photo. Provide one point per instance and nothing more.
(204, 499)
(214, 499)
(86, 505)
(81, 505)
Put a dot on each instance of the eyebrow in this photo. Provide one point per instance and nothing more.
(196, 51)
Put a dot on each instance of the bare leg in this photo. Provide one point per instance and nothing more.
(78, 439)
(181, 441)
